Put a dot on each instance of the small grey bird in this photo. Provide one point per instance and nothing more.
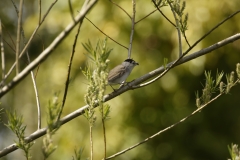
(119, 74)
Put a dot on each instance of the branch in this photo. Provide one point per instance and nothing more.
(69, 71)
(146, 16)
(48, 50)
(2, 55)
(19, 35)
(125, 88)
(185, 59)
(132, 31)
(173, 125)
(178, 29)
(121, 8)
(31, 38)
(106, 34)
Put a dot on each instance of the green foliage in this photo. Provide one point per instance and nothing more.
(15, 123)
(165, 62)
(53, 110)
(97, 78)
(211, 86)
(48, 147)
(238, 70)
(234, 152)
(179, 10)
(160, 3)
(77, 154)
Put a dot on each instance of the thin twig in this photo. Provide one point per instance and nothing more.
(178, 29)
(121, 8)
(2, 55)
(30, 39)
(132, 30)
(71, 10)
(171, 65)
(158, 8)
(146, 16)
(166, 129)
(118, 92)
(19, 35)
(48, 50)
(91, 141)
(69, 71)
(104, 137)
(169, 21)
(106, 34)
(40, 11)
(32, 76)
(185, 59)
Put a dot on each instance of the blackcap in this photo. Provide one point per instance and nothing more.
(119, 74)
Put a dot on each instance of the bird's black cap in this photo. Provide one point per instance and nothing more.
(131, 61)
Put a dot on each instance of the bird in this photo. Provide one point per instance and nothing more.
(119, 74)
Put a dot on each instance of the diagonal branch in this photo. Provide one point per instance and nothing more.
(32, 36)
(85, 9)
(105, 34)
(171, 126)
(125, 88)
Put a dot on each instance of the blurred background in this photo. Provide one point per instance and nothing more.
(136, 114)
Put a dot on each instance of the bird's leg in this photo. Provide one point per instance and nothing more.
(122, 84)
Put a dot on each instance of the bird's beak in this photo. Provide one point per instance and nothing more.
(137, 63)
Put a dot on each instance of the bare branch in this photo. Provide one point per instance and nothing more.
(163, 13)
(164, 130)
(146, 16)
(121, 8)
(173, 125)
(132, 30)
(179, 61)
(125, 88)
(19, 35)
(106, 34)
(30, 39)
(2, 54)
(71, 10)
(48, 50)
(40, 11)
(69, 71)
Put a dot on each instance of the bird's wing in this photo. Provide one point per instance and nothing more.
(120, 69)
